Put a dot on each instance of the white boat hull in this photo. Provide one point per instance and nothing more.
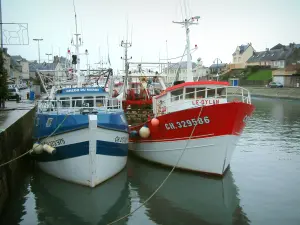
(87, 156)
(209, 155)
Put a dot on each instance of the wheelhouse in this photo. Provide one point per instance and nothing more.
(194, 94)
(80, 100)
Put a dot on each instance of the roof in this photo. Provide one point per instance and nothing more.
(194, 83)
(271, 55)
(181, 64)
(14, 64)
(18, 58)
(41, 66)
(220, 65)
(242, 48)
(279, 46)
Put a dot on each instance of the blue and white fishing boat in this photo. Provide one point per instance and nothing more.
(81, 132)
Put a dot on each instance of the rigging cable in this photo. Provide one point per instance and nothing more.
(20, 156)
(163, 182)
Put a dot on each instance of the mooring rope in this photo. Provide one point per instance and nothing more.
(20, 156)
(163, 182)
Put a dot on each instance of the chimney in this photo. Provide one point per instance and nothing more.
(267, 49)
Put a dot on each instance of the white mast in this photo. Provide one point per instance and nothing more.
(186, 23)
(126, 45)
(77, 45)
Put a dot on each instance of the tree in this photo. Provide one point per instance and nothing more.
(3, 79)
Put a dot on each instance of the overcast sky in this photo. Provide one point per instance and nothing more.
(223, 26)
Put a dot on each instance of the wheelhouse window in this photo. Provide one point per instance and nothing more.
(65, 102)
(200, 92)
(88, 101)
(221, 92)
(100, 101)
(177, 95)
(76, 102)
(211, 92)
(189, 93)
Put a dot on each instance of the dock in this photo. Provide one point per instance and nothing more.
(16, 126)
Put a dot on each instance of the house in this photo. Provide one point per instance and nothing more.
(218, 68)
(24, 66)
(241, 55)
(56, 67)
(289, 76)
(15, 74)
(181, 67)
(276, 57)
(201, 73)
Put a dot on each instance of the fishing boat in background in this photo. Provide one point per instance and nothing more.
(205, 119)
(81, 130)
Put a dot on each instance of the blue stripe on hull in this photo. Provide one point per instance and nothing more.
(111, 148)
(65, 152)
(81, 149)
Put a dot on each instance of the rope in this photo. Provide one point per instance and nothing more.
(36, 146)
(163, 182)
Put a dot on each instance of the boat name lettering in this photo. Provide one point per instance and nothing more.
(187, 123)
(82, 89)
(206, 102)
(122, 140)
(55, 143)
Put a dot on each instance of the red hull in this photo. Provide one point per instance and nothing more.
(216, 120)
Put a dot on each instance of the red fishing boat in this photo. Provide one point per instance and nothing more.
(205, 119)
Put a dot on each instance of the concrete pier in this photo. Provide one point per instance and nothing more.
(16, 126)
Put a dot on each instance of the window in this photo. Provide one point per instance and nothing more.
(221, 92)
(76, 102)
(189, 93)
(176, 95)
(211, 93)
(65, 102)
(200, 92)
(100, 101)
(88, 101)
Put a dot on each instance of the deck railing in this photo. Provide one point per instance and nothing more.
(78, 107)
(224, 94)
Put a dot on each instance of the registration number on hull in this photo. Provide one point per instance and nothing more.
(55, 143)
(187, 123)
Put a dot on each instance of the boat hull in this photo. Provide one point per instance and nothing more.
(87, 156)
(207, 149)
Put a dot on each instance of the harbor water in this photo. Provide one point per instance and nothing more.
(262, 185)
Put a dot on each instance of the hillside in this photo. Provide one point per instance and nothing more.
(260, 75)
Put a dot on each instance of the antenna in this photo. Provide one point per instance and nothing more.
(167, 56)
(131, 33)
(108, 59)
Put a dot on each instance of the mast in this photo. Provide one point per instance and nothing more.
(126, 45)
(76, 59)
(186, 23)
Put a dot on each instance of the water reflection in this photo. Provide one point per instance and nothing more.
(16, 208)
(187, 198)
(62, 203)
